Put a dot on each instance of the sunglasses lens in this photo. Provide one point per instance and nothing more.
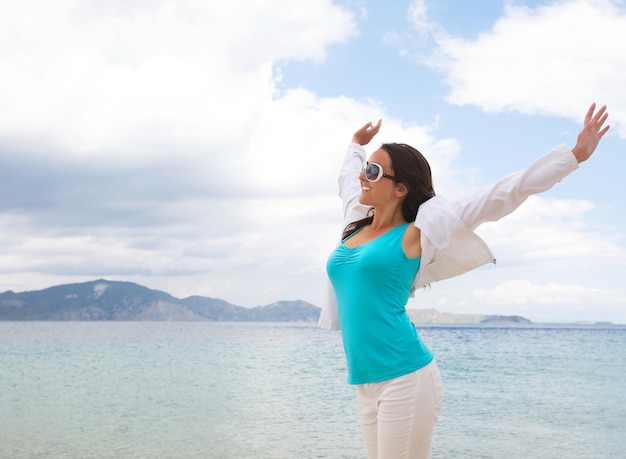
(372, 172)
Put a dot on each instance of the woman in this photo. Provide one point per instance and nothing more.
(398, 237)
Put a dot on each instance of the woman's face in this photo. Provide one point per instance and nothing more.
(381, 192)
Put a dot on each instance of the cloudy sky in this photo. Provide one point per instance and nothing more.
(192, 145)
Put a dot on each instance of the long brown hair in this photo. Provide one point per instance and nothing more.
(411, 168)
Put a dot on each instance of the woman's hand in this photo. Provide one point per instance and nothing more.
(591, 133)
(366, 133)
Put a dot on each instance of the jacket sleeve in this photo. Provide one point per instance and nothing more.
(353, 210)
(329, 314)
(350, 186)
(511, 191)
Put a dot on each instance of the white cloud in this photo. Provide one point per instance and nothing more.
(418, 17)
(553, 229)
(126, 77)
(552, 60)
(553, 301)
(511, 292)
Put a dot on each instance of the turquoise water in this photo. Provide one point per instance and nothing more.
(237, 390)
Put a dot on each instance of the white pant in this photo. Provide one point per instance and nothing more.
(398, 416)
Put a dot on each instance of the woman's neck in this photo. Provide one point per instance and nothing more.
(385, 219)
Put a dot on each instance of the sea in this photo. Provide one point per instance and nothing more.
(278, 390)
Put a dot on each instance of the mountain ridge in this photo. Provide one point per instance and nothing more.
(103, 299)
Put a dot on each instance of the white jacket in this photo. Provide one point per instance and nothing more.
(449, 245)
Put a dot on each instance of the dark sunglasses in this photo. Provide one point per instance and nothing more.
(374, 172)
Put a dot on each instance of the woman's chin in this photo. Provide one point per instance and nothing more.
(365, 198)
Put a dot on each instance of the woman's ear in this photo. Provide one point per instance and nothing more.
(401, 190)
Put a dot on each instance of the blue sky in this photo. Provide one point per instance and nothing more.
(193, 146)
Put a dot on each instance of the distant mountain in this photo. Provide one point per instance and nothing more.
(113, 300)
(426, 316)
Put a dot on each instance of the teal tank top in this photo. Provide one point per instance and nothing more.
(372, 283)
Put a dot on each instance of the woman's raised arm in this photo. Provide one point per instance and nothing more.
(511, 191)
